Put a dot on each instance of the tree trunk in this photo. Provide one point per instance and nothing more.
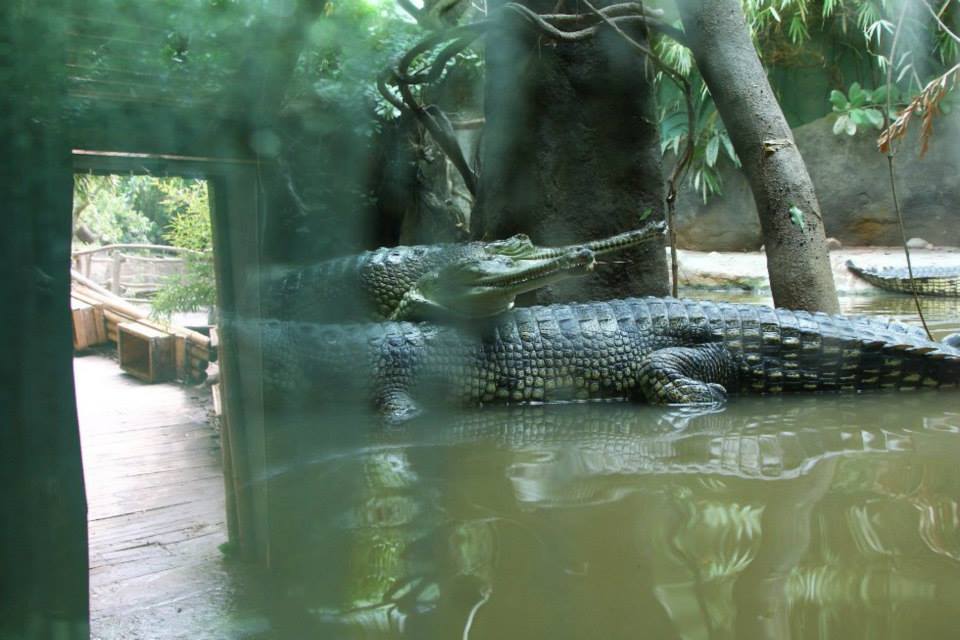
(571, 151)
(797, 257)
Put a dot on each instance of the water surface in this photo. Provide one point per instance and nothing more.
(781, 517)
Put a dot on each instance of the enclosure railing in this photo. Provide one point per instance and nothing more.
(130, 270)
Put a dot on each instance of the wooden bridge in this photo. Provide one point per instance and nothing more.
(131, 271)
(155, 490)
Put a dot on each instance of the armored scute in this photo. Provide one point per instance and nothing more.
(926, 281)
(658, 350)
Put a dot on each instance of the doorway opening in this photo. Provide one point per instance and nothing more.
(143, 303)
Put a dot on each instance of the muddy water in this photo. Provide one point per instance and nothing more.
(833, 516)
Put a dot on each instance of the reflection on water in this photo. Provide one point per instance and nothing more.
(797, 517)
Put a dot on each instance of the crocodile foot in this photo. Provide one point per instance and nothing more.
(686, 375)
(397, 407)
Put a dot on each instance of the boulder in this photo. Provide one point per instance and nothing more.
(852, 184)
(918, 243)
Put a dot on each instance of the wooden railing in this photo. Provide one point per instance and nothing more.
(130, 269)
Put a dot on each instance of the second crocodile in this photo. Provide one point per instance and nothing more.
(927, 281)
(466, 280)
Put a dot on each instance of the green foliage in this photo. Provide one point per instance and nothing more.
(189, 228)
(860, 107)
(189, 207)
(796, 216)
(105, 205)
(348, 48)
(193, 290)
(805, 33)
(712, 137)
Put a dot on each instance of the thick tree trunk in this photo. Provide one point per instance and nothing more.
(797, 257)
(571, 151)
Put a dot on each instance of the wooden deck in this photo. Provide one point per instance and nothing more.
(156, 507)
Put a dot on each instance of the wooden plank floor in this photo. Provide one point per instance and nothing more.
(155, 508)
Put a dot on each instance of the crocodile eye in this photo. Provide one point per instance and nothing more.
(394, 257)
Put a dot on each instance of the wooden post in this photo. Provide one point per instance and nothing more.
(236, 250)
(117, 260)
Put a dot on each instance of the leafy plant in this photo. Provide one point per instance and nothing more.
(105, 206)
(711, 139)
(189, 228)
(805, 33)
(860, 107)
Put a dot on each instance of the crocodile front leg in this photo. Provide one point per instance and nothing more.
(688, 375)
(396, 406)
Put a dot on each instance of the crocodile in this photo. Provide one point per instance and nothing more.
(471, 279)
(928, 281)
(658, 350)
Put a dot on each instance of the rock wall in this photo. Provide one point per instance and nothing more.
(852, 184)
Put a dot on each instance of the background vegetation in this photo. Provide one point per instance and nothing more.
(822, 56)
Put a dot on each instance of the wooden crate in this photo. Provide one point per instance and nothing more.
(88, 324)
(145, 352)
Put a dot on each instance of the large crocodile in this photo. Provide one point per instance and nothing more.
(927, 281)
(472, 279)
(659, 350)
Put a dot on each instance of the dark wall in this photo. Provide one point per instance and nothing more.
(43, 535)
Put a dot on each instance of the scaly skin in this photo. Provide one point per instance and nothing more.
(928, 281)
(658, 350)
(375, 285)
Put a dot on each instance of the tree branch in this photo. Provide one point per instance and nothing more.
(460, 37)
(936, 16)
(618, 13)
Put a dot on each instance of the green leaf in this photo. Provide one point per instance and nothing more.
(857, 97)
(838, 100)
(773, 12)
(851, 127)
(840, 125)
(796, 216)
(713, 148)
(728, 148)
(645, 214)
(859, 117)
(875, 117)
(879, 95)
